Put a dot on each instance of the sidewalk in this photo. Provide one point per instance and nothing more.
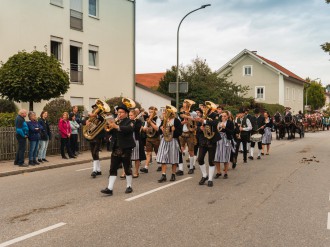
(7, 168)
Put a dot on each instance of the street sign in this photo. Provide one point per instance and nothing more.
(183, 87)
(308, 108)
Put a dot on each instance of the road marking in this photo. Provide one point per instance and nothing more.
(32, 234)
(328, 221)
(84, 169)
(154, 190)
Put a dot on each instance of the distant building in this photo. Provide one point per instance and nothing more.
(150, 80)
(269, 82)
(93, 39)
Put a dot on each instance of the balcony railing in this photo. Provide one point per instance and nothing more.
(76, 20)
(76, 73)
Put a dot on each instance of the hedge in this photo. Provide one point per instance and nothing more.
(7, 119)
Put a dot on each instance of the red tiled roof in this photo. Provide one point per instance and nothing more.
(279, 67)
(150, 80)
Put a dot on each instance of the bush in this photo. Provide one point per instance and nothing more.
(117, 101)
(7, 106)
(273, 108)
(55, 109)
(7, 119)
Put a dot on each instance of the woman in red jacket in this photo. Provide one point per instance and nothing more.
(65, 132)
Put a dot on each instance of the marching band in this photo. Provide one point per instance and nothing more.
(210, 130)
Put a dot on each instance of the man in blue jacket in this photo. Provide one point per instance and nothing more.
(22, 132)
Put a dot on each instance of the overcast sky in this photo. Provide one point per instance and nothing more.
(288, 32)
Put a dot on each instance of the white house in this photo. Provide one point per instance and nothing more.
(93, 39)
(268, 81)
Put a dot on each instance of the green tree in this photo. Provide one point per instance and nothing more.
(326, 46)
(32, 77)
(55, 109)
(315, 95)
(204, 84)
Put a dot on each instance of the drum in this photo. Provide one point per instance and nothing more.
(256, 138)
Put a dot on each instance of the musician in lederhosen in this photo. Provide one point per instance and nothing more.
(169, 148)
(151, 127)
(138, 153)
(267, 136)
(123, 143)
(188, 136)
(208, 141)
(245, 128)
(224, 145)
(258, 126)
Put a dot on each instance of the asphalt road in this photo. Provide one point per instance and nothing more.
(281, 200)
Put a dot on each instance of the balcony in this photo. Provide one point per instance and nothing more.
(76, 73)
(76, 20)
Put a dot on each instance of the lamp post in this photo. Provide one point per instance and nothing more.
(177, 53)
(134, 43)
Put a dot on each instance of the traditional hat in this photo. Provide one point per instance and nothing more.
(190, 102)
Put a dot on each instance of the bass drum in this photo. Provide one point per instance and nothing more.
(256, 138)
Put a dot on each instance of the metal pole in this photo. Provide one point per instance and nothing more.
(134, 43)
(177, 53)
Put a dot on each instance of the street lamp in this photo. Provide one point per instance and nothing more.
(134, 44)
(177, 53)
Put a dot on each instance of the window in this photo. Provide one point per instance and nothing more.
(77, 100)
(293, 94)
(287, 96)
(247, 70)
(56, 47)
(58, 3)
(93, 56)
(76, 67)
(260, 93)
(76, 15)
(93, 8)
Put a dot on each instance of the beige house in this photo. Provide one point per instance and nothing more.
(268, 81)
(93, 39)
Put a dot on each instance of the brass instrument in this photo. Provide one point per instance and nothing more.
(208, 133)
(151, 132)
(96, 124)
(140, 114)
(167, 132)
(219, 126)
(129, 103)
(191, 125)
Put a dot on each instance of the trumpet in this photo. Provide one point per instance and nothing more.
(109, 123)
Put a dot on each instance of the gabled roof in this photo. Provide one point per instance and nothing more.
(265, 61)
(150, 80)
(153, 91)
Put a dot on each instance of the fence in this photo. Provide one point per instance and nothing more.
(8, 143)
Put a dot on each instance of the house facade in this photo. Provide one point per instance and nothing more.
(93, 40)
(268, 81)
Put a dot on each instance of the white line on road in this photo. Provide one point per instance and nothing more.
(32, 234)
(328, 221)
(154, 190)
(84, 169)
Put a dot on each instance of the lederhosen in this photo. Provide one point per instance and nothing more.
(208, 145)
(123, 143)
(152, 143)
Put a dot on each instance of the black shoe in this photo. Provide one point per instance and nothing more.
(72, 157)
(40, 161)
(144, 170)
(162, 179)
(179, 173)
(225, 176)
(217, 175)
(94, 174)
(31, 163)
(159, 169)
(234, 165)
(210, 184)
(251, 157)
(23, 165)
(203, 180)
(262, 154)
(64, 157)
(98, 173)
(122, 176)
(172, 177)
(191, 171)
(107, 191)
(258, 158)
(245, 161)
(128, 190)
(36, 162)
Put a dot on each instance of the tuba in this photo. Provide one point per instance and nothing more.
(208, 132)
(191, 125)
(151, 132)
(96, 124)
(167, 123)
(129, 103)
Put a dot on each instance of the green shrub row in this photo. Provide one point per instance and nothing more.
(7, 119)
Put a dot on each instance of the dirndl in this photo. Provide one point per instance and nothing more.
(267, 136)
(224, 149)
(138, 151)
(168, 152)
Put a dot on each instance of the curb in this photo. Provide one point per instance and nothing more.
(46, 167)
